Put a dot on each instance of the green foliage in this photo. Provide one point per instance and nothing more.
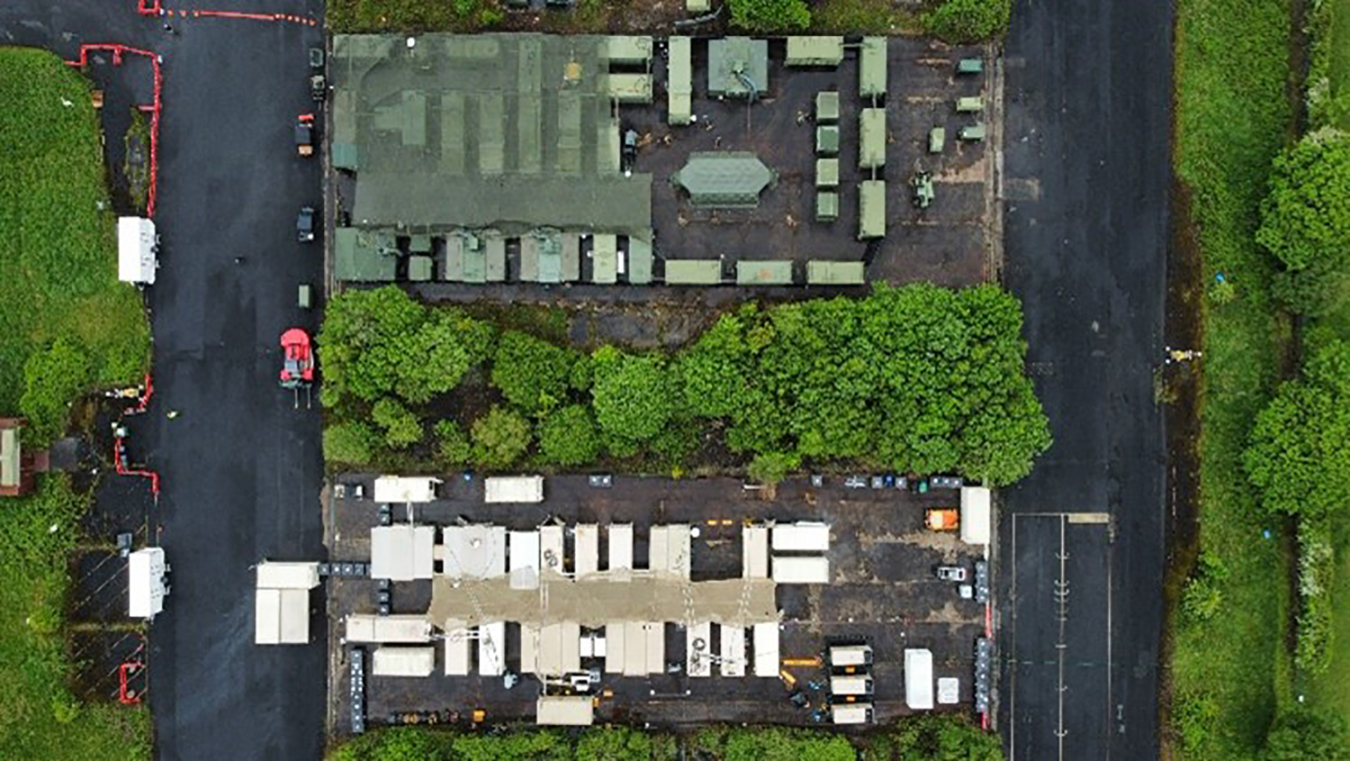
(352, 443)
(1195, 717)
(568, 436)
(532, 374)
(500, 437)
(58, 250)
(631, 394)
(968, 20)
(52, 378)
(771, 467)
(770, 15)
(1306, 216)
(398, 744)
(1316, 581)
(410, 15)
(1222, 292)
(1297, 458)
(401, 426)
(452, 446)
(1300, 734)
(1203, 597)
(379, 342)
(945, 736)
(614, 744)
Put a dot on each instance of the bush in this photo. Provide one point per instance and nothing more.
(401, 426)
(771, 467)
(631, 396)
(939, 736)
(613, 744)
(1194, 716)
(452, 446)
(968, 20)
(568, 436)
(532, 374)
(52, 378)
(500, 437)
(1316, 577)
(1306, 216)
(770, 15)
(350, 443)
(1301, 734)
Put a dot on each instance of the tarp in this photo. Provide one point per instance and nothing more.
(764, 272)
(723, 179)
(402, 628)
(603, 597)
(871, 209)
(801, 537)
(976, 515)
(564, 711)
(872, 138)
(620, 546)
(736, 65)
(513, 489)
(401, 552)
(274, 575)
(919, 679)
(791, 569)
(403, 661)
(405, 489)
(872, 69)
(680, 82)
(145, 582)
(136, 246)
(821, 272)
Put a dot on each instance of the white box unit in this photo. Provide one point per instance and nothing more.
(524, 565)
(137, 245)
(392, 660)
(621, 547)
(564, 711)
(919, 679)
(698, 650)
(587, 549)
(949, 690)
(844, 656)
(273, 575)
(513, 490)
(793, 569)
(281, 617)
(733, 650)
(851, 713)
(492, 649)
(801, 537)
(146, 569)
(401, 628)
(405, 489)
(766, 650)
(551, 556)
(755, 552)
(457, 642)
(856, 684)
(976, 515)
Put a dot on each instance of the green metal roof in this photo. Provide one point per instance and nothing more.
(730, 179)
(815, 51)
(629, 88)
(827, 206)
(872, 138)
(827, 139)
(693, 272)
(605, 260)
(771, 272)
(475, 258)
(827, 106)
(872, 69)
(734, 63)
(827, 173)
(541, 257)
(819, 272)
(628, 48)
(363, 255)
(639, 260)
(419, 244)
(680, 81)
(872, 209)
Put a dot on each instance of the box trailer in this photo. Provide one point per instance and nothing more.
(405, 628)
(851, 684)
(564, 710)
(137, 250)
(146, 589)
(801, 537)
(755, 552)
(766, 649)
(405, 489)
(791, 569)
(850, 656)
(851, 713)
(403, 661)
(514, 490)
(919, 679)
(976, 515)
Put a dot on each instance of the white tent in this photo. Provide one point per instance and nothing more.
(474, 552)
(145, 570)
(568, 710)
(514, 489)
(401, 552)
(766, 649)
(405, 489)
(919, 679)
(976, 517)
(136, 247)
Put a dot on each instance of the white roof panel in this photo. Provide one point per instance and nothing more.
(407, 628)
(851, 713)
(698, 650)
(621, 546)
(949, 690)
(733, 650)
(565, 711)
(529, 649)
(766, 649)
(976, 515)
(145, 582)
(801, 537)
(402, 552)
(405, 489)
(294, 616)
(755, 552)
(615, 647)
(656, 648)
(551, 548)
(513, 489)
(267, 617)
(456, 649)
(524, 560)
(492, 649)
(788, 569)
(136, 250)
(919, 679)
(392, 660)
(272, 575)
(587, 559)
(474, 552)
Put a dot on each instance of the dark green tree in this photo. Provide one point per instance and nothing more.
(401, 427)
(771, 467)
(1306, 216)
(568, 436)
(349, 443)
(532, 374)
(631, 394)
(452, 445)
(500, 438)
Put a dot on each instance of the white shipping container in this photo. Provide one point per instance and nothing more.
(801, 537)
(976, 515)
(851, 713)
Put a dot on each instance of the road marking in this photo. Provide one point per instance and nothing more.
(1088, 517)
(1062, 592)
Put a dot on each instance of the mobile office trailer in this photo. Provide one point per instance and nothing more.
(976, 515)
(851, 713)
(857, 684)
(845, 656)
(146, 589)
(137, 245)
(514, 490)
(919, 679)
(403, 661)
(405, 489)
(564, 710)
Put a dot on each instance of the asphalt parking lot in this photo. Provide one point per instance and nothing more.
(883, 590)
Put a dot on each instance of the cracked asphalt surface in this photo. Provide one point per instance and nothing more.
(241, 468)
(1087, 171)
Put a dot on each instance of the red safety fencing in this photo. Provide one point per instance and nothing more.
(153, 109)
(120, 450)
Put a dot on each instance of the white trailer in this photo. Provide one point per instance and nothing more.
(766, 649)
(403, 661)
(801, 537)
(457, 641)
(405, 628)
(273, 575)
(564, 710)
(513, 490)
(851, 713)
(698, 650)
(919, 679)
(733, 650)
(524, 560)
(856, 684)
(587, 552)
(755, 552)
(794, 569)
(405, 489)
(137, 249)
(492, 649)
(621, 547)
(850, 656)
(146, 587)
(976, 515)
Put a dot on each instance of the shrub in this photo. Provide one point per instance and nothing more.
(770, 15)
(52, 378)
(948, 736)
(631, 396)
(613, 744)
(568, 436)
(500, 437)
(532, 374)
(771, 467)
(968, 20)
(1194, 716)
(452, 446)
(350, 443)
(1306, 216)
(401, 426)
(1316, 576)
(1302, 733)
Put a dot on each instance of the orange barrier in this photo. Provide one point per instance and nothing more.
(118, 51)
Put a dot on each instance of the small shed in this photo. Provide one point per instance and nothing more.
(764, 272)
(693, 272)
(815, 51)
(827, 207)
(738, 67)
(564, 710)
(872, 69)
(137, 245)
(871, 209)
(976, 515)
(851, 713)
(364, 256)
(872, 138)
(801, 536)
(724, 180)
(146, 588)
(680, 82)
(827, 139)
(827, 173)
(827, 107)
(627, 48)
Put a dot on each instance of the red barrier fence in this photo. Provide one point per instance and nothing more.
(118, 51)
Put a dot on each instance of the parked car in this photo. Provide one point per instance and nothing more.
(855, 482)
(304, 224)
(951, 573)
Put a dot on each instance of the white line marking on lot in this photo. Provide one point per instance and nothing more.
(1012, 648)
(1062, 593)
(1088, 517)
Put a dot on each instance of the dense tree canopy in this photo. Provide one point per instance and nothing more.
(351, 443)
(1300, 734)
(52, 379)
(379, 342)
(452, 446)
(770, 15)
(532, 374)
(968, 20)
(631, 394)
(1298, 459)
(568, 436)
(500, 437)
(401, 427)
(1306, 216)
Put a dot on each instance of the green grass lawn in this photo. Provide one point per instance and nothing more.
(57, 239)
(57, 251)
(1232, 117)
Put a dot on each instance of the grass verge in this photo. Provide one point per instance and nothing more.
(57, 229)
(1232, 115)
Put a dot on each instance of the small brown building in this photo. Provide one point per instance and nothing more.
(16, 466)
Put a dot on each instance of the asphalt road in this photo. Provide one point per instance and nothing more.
(241, 468)
(1086, 177)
